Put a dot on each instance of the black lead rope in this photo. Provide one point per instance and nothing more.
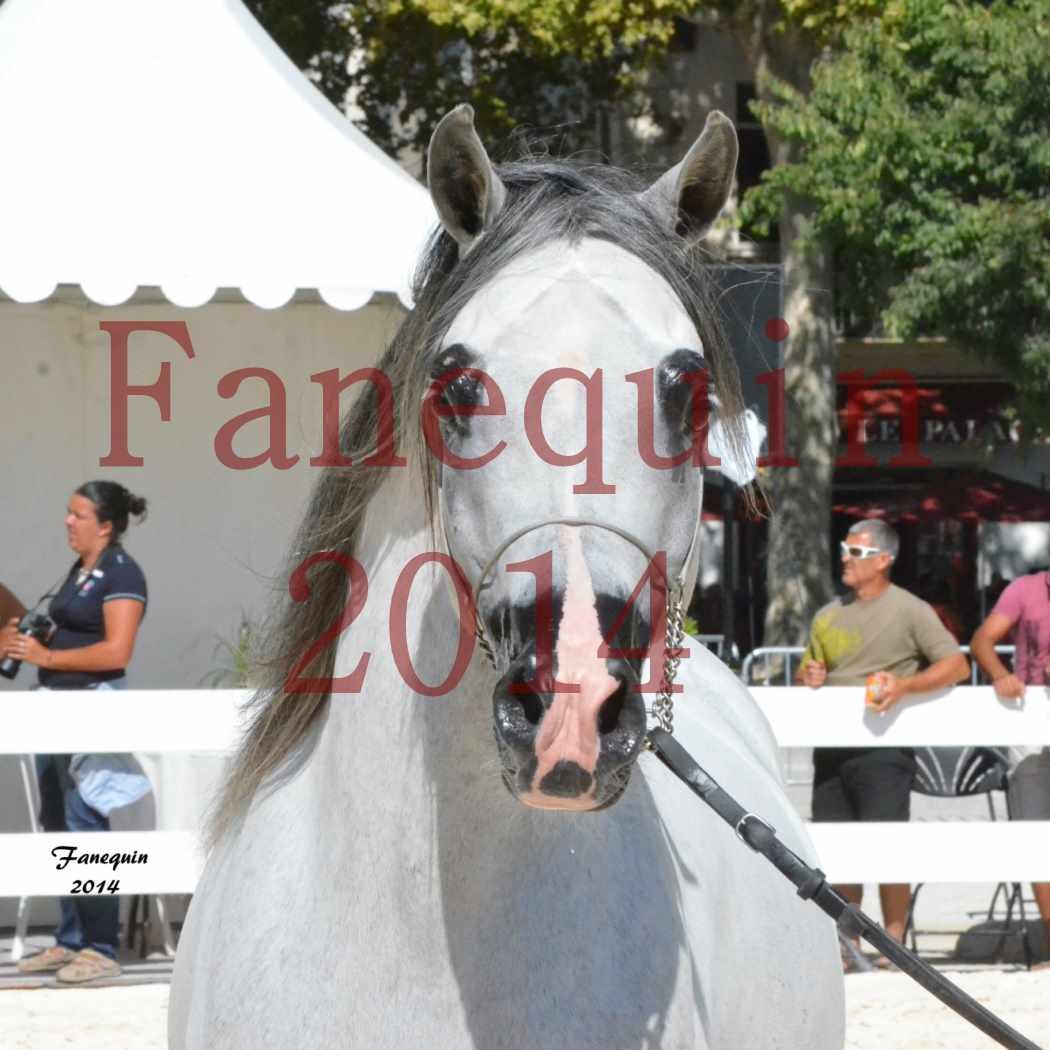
(811, 885)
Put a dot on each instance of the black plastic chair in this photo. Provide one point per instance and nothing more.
(956, 772)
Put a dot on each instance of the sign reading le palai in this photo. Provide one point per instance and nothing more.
(990, 430)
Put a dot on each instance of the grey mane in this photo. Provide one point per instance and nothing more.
(547, 200)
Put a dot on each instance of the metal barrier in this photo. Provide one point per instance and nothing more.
(784, 674)
(714, 642)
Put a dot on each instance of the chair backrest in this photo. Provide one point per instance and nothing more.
(951, 772)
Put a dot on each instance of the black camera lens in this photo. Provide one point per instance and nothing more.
(37, 626)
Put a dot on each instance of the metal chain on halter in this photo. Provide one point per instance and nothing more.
(663, 706)
(479, 633)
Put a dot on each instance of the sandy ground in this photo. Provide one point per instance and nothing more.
(886, 1011)
(86, 1018)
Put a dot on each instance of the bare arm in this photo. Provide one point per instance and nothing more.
(949, 671)
(812, 670)
(122, 617)
(994, 629)
(939, 675)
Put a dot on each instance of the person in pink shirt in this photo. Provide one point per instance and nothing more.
(1023, 613)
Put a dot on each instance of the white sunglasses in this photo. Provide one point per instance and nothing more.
(851, 550)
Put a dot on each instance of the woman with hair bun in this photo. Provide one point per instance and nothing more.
(97, 611)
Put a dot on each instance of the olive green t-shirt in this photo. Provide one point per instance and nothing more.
(894, 632)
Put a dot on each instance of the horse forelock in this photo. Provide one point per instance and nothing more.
(547, 201)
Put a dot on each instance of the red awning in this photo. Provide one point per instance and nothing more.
(942, 401)
(985, 497)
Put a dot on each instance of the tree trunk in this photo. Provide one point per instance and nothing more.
(798, 569)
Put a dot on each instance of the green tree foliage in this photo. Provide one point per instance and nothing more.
(587, 29)
(553, 64)
(825, 19)
(539, 63)
(925, 151)
(314, 35)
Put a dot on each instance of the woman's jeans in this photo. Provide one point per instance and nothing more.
(90, 921)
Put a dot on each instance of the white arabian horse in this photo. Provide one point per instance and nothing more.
(482, 869)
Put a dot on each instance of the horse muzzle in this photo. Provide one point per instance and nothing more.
(571, 745)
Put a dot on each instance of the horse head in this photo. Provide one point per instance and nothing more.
(578, 387)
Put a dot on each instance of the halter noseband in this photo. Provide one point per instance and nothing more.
(662, 707)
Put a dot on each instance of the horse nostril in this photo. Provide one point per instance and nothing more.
(611, 709)
(519, 701)
(621, 718)
(526, 688)
(531, 704)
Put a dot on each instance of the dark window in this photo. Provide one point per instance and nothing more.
(745, 95)
(754, 149)
(684, 36)
(754, 157)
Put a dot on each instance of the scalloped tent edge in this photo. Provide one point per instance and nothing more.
(343, 299)
(239, 176)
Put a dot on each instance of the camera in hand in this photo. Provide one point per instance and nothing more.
(36, 625)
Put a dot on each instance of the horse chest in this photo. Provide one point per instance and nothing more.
(472, 934)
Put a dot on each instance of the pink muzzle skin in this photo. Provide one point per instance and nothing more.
(569, 730)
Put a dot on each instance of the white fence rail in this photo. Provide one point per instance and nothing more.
(928, 851)
(934, 851)
(154, 720)
(166, 721)
(835, 716)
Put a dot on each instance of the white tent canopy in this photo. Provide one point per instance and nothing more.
(170, 143)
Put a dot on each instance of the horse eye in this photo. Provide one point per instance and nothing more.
(464, 389)
(455, 379)
(681, 376)
(675, 367)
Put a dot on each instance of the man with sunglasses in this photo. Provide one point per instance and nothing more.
(1022, 615)
(878, 629)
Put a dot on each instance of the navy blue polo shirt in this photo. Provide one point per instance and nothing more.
(77, 612)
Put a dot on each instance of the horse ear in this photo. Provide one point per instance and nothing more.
(464, 186)
(690, 196)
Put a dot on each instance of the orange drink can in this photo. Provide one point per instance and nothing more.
(872, 689)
